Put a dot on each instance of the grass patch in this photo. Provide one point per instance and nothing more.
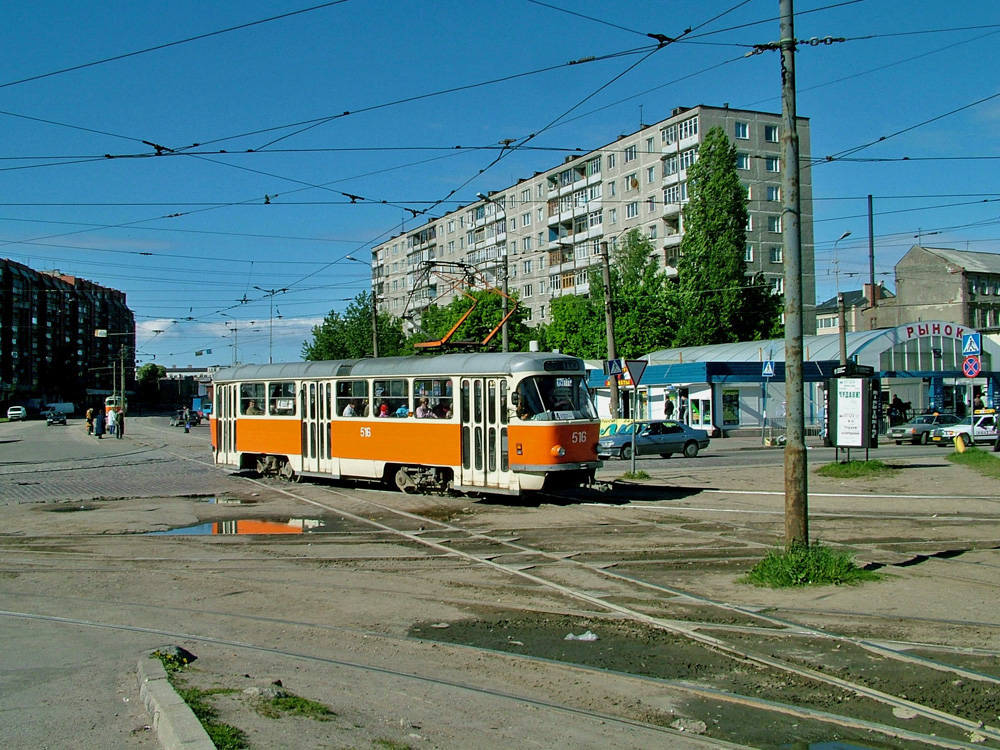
(292, 705)
(981, 461)
(224, 736)
(392, 745)
(636, 475)
(857, 470)
(799, 565)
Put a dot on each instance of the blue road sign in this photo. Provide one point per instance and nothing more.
(768, 371)
(972, 345)
(614, 367)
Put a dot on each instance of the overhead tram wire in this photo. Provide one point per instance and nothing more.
(167, 45)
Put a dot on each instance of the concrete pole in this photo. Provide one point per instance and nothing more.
(871, 258)
(796, 484)
(609, 322)
(375, 317)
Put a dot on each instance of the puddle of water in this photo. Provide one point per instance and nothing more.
(71, 508)
(251, 526)
(228, 501)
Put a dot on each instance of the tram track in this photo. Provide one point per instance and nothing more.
(693, 633)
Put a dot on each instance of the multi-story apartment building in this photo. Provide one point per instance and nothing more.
(547, 230)
(49, 349)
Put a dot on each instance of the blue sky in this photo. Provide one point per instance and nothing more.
(402, 104)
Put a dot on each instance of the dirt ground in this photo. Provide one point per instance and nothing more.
(411, 647)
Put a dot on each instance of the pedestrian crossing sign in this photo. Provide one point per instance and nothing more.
(972, 344)
(768, 371)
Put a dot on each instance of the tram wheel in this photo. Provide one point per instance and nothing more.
(287, 472)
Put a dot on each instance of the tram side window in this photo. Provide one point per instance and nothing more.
(252, 398)
(394, 395)
(438, 394)
(281, 399)
(352, 398)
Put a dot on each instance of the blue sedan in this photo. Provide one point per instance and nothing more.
(661, 437)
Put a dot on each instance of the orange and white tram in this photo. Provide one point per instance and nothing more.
(492, 422)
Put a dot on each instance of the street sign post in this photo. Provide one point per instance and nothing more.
(972, 344)
(971, 366)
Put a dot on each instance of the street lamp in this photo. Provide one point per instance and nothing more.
(504, 340)
(270, 320)
(841, 312)
(374, 307)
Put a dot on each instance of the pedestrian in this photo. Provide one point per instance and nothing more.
(99, 424)
(668, 408)
(121, 425)
(977, 403)
(90, 421)
(112, 421)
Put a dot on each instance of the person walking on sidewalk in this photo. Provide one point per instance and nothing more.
(120, 421)
(112, 422)
(99, 424)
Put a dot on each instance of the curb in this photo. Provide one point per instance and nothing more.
(174, 722)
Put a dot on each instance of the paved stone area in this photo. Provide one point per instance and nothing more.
(51, 464)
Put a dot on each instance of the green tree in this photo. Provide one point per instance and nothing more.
(641, 298)
(349, 335)
(437, 320)
(150, 373)
(718, 303)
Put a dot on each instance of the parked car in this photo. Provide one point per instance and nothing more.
(979, 428)
(661, 437)
(918, 429)
(54, 417)
(14, 413)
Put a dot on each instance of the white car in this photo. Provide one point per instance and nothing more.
(15, 413)
(981, 427)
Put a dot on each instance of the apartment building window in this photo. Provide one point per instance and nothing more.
(650, 175)
(526, 219)
(595, 218)
(675, 193)
(670, 165)
(554, 281)
(451, 226)
(526, 291)
(651, 231)
(611, 161)
(541, 215)
(581, 277)
(541, 312)
(746, 190)
(541, 262)
(526, 244)
(748, 254)
(612, 216)
(451, 251)
(595, 192)
(632, 210)
(742, 161)
(742, 131)
(540, 190)
(631, 182)
(777, 255)
(774, 193)
(771, 133)
(651, 204)
(541, 286)
(688, 157)
(541, 240)
(778, 285)
(612, 189)
(688, 128)
(774, 224)
(772, 164)
(631, 153)
(650, 143)
(594, 166)
(749, 222)
(668, 135)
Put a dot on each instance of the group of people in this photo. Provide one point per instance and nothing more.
(423, 410)
(112, 423)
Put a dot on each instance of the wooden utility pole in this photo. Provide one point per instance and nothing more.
(609, 322)
(796, 485)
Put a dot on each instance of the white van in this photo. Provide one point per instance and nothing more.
(15, 413)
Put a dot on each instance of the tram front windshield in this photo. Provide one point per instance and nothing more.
(553, 397)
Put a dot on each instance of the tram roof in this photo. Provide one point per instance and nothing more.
(468, 363)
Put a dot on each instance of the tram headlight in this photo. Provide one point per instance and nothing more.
(558, 451)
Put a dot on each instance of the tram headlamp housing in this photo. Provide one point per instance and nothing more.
(558, 451)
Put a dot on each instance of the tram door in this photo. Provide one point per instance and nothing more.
(484, 433)
(226, 400)
(309, 398)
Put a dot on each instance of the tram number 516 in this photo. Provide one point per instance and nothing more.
(366, 432)
(579, 437)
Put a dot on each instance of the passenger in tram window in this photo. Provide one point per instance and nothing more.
(253, 409)
(402, 411)
(383, 410)
(350, 410)
(424, 410)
